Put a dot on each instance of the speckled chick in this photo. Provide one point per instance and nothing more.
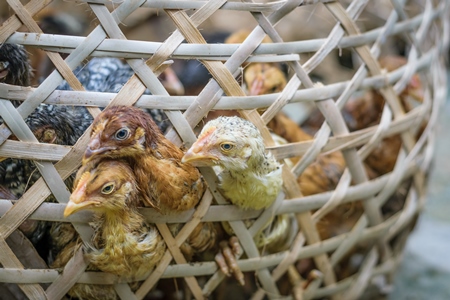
(250, 177)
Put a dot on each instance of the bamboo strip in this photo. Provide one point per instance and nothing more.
(13, 23)
(9, 260)
(33, 151)
(179, 259)
(218, 213)
(65, 280)
(114, 47)
(181, 4)
(124, 291)
(361, 281)
(226, 102)
(206, 268)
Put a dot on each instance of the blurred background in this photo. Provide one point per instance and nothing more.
(425, 270)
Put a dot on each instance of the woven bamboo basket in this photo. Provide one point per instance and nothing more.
(364, 28)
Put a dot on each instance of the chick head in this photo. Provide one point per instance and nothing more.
(264, 78)
(230, 142)
(121, 131)
(102, 186)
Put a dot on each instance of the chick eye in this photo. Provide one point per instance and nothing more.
(226, 146)
(108, 188)
(122, 133)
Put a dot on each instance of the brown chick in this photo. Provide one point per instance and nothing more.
(383, 158)
(123, 243)
(131, 134)
(366, 111)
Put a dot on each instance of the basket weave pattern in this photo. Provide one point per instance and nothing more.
(427, 33)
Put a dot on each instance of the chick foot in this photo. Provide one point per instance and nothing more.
(227, 256)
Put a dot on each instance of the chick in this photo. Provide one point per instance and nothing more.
(123, 243)
(249, 176)
(131, 134)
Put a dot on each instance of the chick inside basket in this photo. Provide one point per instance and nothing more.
(213, 149)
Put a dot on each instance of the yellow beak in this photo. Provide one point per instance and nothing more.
(73, 207)
(199, 159)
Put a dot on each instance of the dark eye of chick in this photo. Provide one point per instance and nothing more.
(122, 134)
(108, 188)
(226, 146)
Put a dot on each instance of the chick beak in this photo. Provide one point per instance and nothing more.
(76, 204)
(171, 82)
(94, 148)
(77, 198)
(2, 158)
(198, 158)
(198, 155)
(257, 86)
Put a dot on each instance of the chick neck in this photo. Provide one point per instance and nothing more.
(123, 240)
(255, 186)
(118, 226)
